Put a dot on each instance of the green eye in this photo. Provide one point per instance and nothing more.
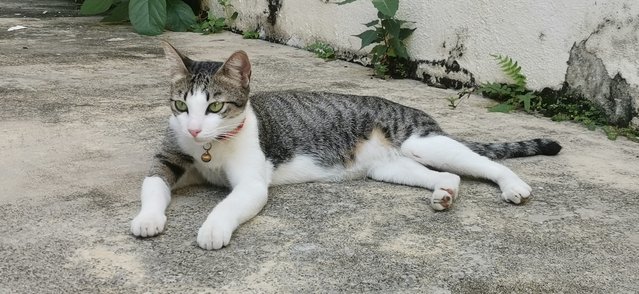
(181, 106)
(216, 107)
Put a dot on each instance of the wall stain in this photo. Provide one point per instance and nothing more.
(273, 7)
(438, 73)
(588, 76)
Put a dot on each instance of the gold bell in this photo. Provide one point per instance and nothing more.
(206, 156)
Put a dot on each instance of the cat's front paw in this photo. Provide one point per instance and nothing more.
(148, 224)
(215, 234)
(516, 191)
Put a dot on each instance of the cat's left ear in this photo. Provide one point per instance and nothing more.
(178, 62)
(238, 68)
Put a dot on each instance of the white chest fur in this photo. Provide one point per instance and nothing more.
(240, 152)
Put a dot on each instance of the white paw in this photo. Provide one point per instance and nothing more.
(445, 193)
(148, 224)
(516, 191)
(442, 198)
(215, 234)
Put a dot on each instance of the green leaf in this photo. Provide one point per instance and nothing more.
(234, 16)
(372, 23)
(525, 98)
(345, 2)
(119, 14)
(386, 7)
(502, 107)
(390, 52)
(378, 52)
(368, 37)
(179, 16)
(611, 133)
(405, 33)
(392, 27)
(401, 51)
(250, 35)
(148, 17)
(93, 7)
(380, 70)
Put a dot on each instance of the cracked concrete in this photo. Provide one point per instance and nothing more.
(600, 71)
(83, 105)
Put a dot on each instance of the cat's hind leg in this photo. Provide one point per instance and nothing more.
(444, 153)
(405, 171)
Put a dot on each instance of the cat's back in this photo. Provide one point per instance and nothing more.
(328, 126)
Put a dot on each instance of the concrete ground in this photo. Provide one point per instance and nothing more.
(82, 108)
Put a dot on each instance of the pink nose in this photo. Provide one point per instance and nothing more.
(194, 132)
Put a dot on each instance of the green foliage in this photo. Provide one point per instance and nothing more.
(511, 69)
(250, 35)
(514, 95)
(229, 11)
(322, 50)
(380, 69)
(389, 56)
(213, 24)
(567, 106)
(559, 106)
(148, 17)
(119, 13)
(92, 7)
(179, 16)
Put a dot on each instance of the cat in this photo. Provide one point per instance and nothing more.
(250, 142)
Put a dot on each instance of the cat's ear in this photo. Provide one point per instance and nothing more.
(238, 68)
(177, 61)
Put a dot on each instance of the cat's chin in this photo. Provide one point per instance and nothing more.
(202, 140)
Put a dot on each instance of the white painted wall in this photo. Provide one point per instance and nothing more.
(538, 34)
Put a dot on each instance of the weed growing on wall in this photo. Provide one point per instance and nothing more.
(513, 95)
(148, 17)
(210, 25)
(389, 56)
(322, 50)
(558, 105)
(250, 35)
(213, 24)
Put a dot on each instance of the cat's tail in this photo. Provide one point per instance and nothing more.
(515, 149)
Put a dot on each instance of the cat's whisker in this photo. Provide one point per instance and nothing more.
(215, 133)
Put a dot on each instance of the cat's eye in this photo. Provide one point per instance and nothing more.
(216, 106)
(181, 106)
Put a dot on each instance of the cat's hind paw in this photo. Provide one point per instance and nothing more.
(442, 198)
(214, 235)
(516, 192)
(148, 224)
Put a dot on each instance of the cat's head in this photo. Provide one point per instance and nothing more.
(208, 98)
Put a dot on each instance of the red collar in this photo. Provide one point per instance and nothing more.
(232, 133)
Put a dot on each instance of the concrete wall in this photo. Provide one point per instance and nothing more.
(593, 46)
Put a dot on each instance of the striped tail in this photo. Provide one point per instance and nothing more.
(515, 149)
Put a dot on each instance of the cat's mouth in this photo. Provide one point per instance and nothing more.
(202, 140)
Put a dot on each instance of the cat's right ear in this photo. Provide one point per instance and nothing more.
(176, 61)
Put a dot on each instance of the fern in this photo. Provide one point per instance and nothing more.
(511, 69)
(560, 106)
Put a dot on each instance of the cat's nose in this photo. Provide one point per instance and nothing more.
(194, 132)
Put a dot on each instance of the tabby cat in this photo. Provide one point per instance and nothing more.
(250, 142)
